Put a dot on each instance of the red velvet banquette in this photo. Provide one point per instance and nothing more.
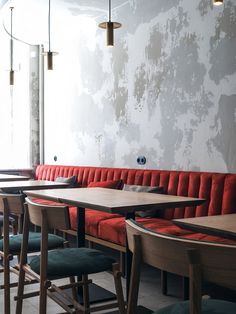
(219, 190)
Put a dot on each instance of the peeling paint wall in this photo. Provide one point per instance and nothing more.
(166, 90)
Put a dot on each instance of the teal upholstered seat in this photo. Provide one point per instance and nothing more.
(73, 262)
(209, 306)
(54, 241)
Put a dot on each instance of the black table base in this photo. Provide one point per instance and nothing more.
(140, 310)
(96, 294)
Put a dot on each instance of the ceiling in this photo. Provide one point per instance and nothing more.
(86, 7)
(30, 17)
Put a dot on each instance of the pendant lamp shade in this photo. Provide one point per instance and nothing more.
(110, 26)
(49, 53)
(11, 53)
(218, 2)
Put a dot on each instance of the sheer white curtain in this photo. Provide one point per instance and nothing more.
(14, 106)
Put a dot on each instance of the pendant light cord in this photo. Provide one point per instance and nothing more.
(11, 46)
(109, 10)
(49, 25)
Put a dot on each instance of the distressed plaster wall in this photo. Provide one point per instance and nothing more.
(167, 90)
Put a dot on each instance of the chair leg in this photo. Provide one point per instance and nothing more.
(7, 309)
(86, 293)
(15, 229)
(118, 286)
(164, 282)
(19, 225)
(65, 235)
(20, 291)
(43, 299)
(74, 289)
(185, 288)
(122, 263)
(90, 244)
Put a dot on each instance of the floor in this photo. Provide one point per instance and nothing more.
(150, 296)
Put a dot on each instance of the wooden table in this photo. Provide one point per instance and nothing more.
(112, 201)
(219, 225)
(31, 185)
(11, 177)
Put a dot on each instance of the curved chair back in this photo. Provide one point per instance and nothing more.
(12, 203)
(198, 260)
(57, 216)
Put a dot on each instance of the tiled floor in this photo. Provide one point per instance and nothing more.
(150, 292)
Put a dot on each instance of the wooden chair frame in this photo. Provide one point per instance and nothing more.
(196, 260)
(10, 204)
(56, 217)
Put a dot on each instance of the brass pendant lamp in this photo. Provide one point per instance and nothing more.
(110, 26)
(11, 53)
(218, 2)
(49, 53)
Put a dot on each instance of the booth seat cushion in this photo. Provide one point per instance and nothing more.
(209, 306)
(209, 238)
(45, 202)
(92, 219)
(113, 229)
(73, 262)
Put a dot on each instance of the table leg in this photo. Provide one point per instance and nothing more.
(185, 288)
(80, 227)
(129, 256)
(96, 293)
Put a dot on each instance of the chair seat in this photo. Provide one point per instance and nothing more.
(209, 306)
(54, 241)
(73, 262)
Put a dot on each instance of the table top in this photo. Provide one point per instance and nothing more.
(114, 201)
(31, 184)
(10, 177)
(219, 225)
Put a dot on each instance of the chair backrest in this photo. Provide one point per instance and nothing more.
(57, 217)
(212, 262)
(13, 203)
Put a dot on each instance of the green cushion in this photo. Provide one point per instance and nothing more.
(209, 306)
(54, 241)
(73, 262)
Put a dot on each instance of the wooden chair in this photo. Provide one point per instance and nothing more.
(12, 223)
(63, 263)
(197, 260)
(10, 245)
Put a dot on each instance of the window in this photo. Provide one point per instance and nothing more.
(14, 106)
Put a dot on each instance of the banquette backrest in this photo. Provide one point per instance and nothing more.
(219, 189)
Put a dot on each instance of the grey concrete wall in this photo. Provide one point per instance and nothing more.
(166, 90)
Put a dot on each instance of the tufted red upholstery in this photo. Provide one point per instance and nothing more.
(218, 189)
